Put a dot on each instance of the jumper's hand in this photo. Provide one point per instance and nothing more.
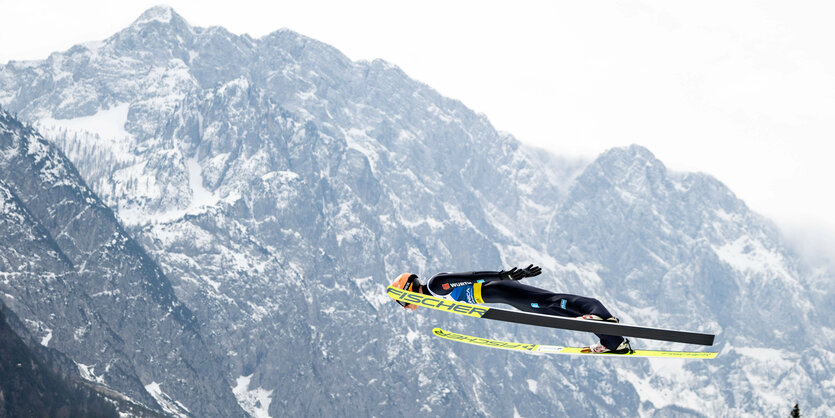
(517, 274)
(532, 270)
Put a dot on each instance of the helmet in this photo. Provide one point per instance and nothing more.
(407, 281)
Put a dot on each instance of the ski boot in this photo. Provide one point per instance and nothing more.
(623, 348)
(594, 317)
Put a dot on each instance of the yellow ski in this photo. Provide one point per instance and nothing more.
(555, 349)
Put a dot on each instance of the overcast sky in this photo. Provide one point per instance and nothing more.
(741, 90)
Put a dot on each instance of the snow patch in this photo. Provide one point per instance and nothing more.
(9, 210)
(45, 340)
(200, 196)
(5, 100)
(349, 235)
(433, 224)
(108, 123)
(281, 176)
(532, 385)
(767, 355)
(52, 169)
(658, 389)
(255, 401)
(412, 336)
(659, 398)
(457, 216)
(359, 140)
(79, 333)
(168, 405)
(88, 373)
(750, 255)
(306, 95)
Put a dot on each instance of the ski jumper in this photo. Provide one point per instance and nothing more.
(488, 287)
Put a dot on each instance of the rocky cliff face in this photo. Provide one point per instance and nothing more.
(31, 388)
(280, 186)
(86, 288)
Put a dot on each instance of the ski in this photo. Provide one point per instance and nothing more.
(529, 318)
(556, 349)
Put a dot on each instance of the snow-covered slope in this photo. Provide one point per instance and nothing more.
(280, 186)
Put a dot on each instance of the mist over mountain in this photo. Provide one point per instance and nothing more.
(249, 199)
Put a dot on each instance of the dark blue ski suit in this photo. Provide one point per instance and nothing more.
(488, 287)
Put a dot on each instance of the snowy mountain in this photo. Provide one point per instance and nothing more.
(280, 186)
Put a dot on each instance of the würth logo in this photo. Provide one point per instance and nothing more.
(445, 286)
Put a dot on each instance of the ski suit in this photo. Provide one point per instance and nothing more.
(488, 287)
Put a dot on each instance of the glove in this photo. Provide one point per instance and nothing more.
(517, 274)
